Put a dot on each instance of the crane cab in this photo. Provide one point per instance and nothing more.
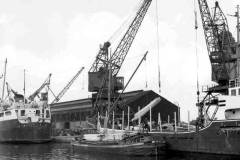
(95, 80)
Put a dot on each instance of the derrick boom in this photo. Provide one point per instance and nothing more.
(45, 83)
(64, 90)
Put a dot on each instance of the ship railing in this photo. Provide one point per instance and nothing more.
(234, 83)
(206, 88)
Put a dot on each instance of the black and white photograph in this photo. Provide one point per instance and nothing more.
(119, 79)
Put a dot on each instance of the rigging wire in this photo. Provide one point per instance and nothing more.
(196, 48)
(159, 80)
(83, 80)
(146, 77)
(120, 29)
(126, 22)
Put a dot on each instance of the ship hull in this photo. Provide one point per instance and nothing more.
(11, 131)
(221, 137)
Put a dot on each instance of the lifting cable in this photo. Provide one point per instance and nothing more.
(196, 48)
(146, 71)
(125, 24)
(83, 80)
(159, 80)
(120, 30)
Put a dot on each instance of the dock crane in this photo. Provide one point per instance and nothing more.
(45, 83)
(221, 48)
(220, 44)
(100, 73)
(64, 90)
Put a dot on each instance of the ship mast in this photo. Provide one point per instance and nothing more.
(238, 40)
(4, 78)
(109, 92)
(24, 87)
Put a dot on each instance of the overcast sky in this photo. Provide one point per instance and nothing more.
(61, 36)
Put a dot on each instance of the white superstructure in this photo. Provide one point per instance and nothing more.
(25, 113)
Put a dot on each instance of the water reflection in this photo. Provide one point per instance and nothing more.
(196, 156)
(58, 151)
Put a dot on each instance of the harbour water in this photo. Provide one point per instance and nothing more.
(64, 151)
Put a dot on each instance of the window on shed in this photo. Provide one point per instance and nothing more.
(22, 112)
(47, 114)
(233, 92)
(8, 113)
(37, 112)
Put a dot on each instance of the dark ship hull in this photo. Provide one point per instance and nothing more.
(220, 137)
(11, 131)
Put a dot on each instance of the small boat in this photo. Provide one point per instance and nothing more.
(121, 142)
(140, 144)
